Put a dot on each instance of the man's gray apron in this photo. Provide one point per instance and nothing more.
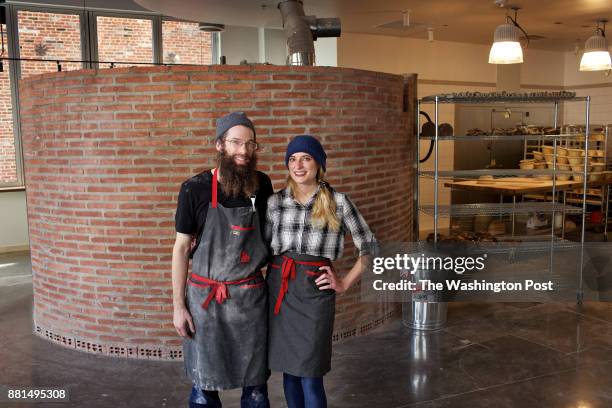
(226, 296)
(301, 316)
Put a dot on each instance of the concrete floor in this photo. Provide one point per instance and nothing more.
(490, 355)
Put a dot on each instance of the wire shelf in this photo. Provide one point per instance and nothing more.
(459, 210)
(517, 244)
(530, 244)
(461, 138)
(495, 172)
(538, 243)
(502, 97)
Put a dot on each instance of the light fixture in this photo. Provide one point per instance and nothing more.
(596, 55)
(506, 48)
(211, 27)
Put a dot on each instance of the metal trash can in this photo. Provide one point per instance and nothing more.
(423, 315)
(423, 309)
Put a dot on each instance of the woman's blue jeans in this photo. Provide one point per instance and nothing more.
(304, 392)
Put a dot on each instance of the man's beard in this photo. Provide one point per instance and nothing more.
(237, 180)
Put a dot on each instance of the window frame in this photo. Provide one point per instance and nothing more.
(12, 25)
(155, 32)
(215, 43)
(89, 52)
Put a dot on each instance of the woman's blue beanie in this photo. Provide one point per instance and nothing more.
(306, 144)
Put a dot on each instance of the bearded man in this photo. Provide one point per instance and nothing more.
(220, 309)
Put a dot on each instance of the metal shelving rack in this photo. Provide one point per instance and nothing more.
(599, 198)
(436, 210)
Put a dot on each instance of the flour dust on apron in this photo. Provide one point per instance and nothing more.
(226, 296)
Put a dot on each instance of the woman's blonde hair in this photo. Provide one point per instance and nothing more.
(324, 207)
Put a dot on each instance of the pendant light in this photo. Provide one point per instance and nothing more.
(506, 48)
(596, 55)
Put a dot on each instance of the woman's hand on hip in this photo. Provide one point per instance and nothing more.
(329, 280)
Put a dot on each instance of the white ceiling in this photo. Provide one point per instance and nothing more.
(471, 21)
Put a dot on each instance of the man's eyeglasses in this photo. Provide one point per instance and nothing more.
(250, 145)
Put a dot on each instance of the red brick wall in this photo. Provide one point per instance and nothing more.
(105, 153)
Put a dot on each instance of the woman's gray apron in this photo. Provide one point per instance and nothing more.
(301, 316)
(226, 296)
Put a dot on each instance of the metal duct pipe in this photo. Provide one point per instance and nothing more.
(302, 30)
(323, 27)
(299, 38)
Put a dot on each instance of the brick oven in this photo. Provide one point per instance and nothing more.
(105, 153)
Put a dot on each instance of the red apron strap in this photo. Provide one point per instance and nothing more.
(214, 189)
(218, 289)
(313, 263)
(287, 272)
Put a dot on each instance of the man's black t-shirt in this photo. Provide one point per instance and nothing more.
(196, 195)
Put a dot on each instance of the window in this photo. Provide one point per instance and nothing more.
(48, 36)
(184, 43)
(54, 34)
(124, 39)
(8, 162)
